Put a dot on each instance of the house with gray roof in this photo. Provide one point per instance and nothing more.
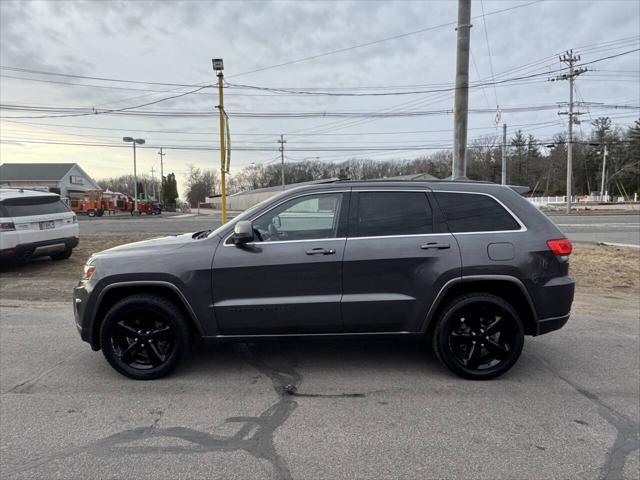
(64, 179)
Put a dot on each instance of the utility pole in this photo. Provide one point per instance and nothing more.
(161, 172)
(461, 101)
(503, 177)
(570, 60)
(153, 182)
(604, 171)
(282, 141)
(134, 141)
(218, 67)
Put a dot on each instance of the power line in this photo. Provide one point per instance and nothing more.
(374, 42)
(118, 80)
(486, 37)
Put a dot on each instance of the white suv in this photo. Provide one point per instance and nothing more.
(35, 224)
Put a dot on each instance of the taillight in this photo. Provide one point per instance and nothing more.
(7, 227)
(560, 247)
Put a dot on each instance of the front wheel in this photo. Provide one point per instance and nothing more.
(144, 336)
(479, 336)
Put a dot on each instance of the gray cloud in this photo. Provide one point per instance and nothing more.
(173, 41)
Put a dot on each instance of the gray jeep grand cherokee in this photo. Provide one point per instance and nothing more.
(472, 267)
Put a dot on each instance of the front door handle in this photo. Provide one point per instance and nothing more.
(321, 251)
(438, 246)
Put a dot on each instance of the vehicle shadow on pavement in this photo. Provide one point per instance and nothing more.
(321, 356)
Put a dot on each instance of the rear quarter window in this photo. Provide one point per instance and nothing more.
(470, 212)
(23, 207)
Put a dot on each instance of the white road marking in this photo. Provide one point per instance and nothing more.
(613, 244)
(186, 215)
(593, 225)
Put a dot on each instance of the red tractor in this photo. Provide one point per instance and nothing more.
(148, 207)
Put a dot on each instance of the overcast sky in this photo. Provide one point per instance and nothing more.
(173, 42)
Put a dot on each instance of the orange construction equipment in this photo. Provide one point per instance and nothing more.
(89, 202)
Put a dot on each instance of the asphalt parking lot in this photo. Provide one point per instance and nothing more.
(569, 409)
(316, 410)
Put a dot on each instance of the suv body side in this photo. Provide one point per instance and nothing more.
(216, 282)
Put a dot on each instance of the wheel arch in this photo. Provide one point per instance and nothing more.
(506, 287)
(113, 293)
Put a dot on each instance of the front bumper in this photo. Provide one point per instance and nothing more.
(80, 302)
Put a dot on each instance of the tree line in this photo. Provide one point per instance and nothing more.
(530, 162)
(148, 187)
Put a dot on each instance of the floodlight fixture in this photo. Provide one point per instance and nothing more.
(218, 64)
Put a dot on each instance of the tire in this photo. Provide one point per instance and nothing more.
(91, 213)
(100, 212)
(145, 336)
(62, 255)
(478, 336)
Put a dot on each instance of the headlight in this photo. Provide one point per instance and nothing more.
(88, 271)
(89, 268)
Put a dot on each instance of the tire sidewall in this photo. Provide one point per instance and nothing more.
(441, 339)
(158, 306)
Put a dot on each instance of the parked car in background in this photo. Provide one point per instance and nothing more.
(35, 224)
(471, 266)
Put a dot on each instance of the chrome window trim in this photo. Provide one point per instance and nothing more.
(402, 236)
(523, 227)
(225, 244)
(425, 190)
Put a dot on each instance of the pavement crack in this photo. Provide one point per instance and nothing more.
(628, 432)
(26, 385)
(255, 436)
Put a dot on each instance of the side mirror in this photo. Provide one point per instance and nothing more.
(242, 232)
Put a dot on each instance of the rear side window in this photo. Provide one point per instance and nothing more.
(467, 212)
(26, 206)
(393, 213)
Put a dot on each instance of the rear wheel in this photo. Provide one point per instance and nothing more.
(91, 213)
(478, 336)
(62, 255)
(144, 336)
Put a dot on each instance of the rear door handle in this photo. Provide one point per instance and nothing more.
(438, 246)
(321, 251)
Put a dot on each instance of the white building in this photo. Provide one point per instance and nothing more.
(61, 178)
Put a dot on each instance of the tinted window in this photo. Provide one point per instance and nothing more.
(467, 212)
(393, 213)
(304, 218)
(22, 207)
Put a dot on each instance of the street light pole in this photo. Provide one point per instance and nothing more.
(139, 141)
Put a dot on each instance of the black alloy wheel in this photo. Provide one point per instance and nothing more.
(144, 336)
(479, 336)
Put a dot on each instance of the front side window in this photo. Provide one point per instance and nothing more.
(467, 212)
(304, 218)
(393, 213)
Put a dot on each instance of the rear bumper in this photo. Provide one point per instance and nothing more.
(546, 325)
(38, 249)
